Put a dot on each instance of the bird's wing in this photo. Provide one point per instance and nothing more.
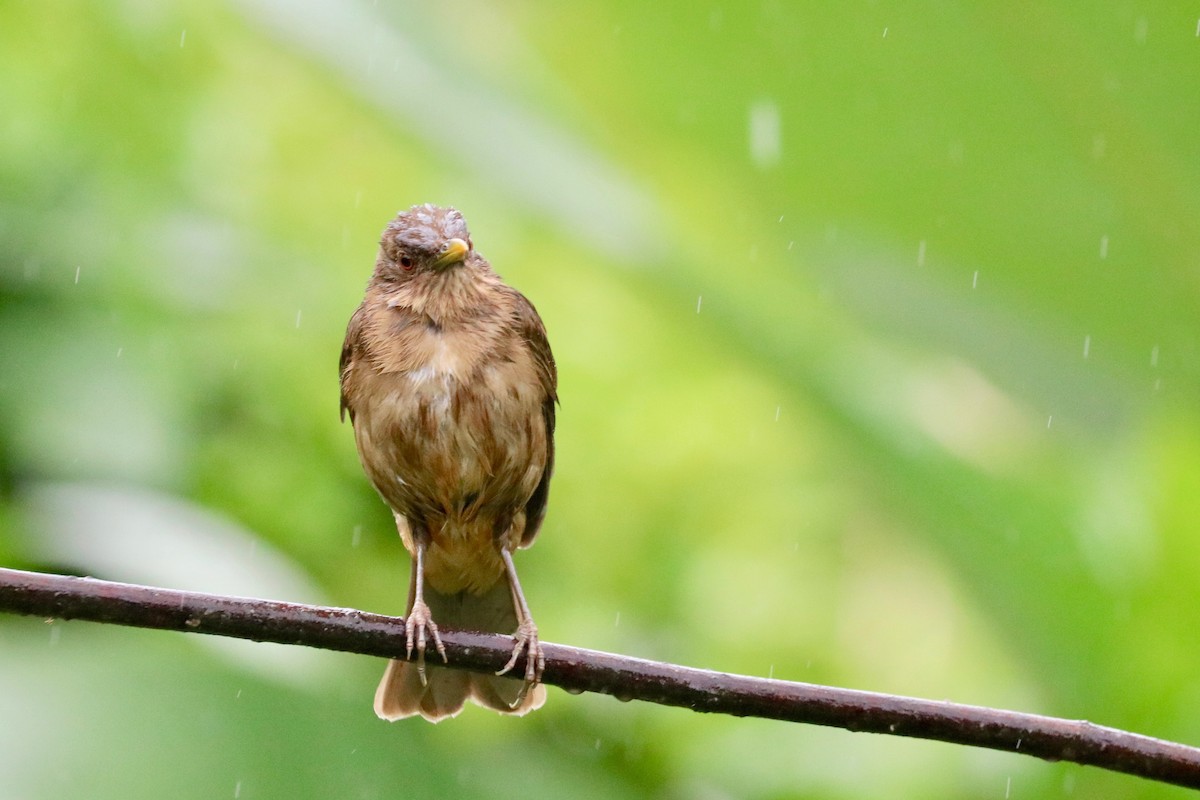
(533, 332)
(351, 348)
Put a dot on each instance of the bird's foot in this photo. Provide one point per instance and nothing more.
(535, 661)
(416, 626)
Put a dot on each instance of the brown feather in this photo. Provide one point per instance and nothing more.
(450, 384)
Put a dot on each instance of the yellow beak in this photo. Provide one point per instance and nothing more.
(453, 251)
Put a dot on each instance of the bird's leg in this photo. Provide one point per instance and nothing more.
(419, 621)
(526, 633)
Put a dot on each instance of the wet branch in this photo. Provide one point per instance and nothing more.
(579, 670)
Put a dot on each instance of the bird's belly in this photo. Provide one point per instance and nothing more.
(458, 459)
(463, 558)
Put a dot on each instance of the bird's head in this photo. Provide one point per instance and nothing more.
(423, 239)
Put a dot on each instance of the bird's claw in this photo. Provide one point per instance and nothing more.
(420, 621)
(535, 660)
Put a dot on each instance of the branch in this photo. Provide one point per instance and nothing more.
(578, 670)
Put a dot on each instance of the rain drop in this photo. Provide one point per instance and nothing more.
(699, 300)
(1087, 345)
(1008, 787)
(237, 789)
(183, 37)
(1154, 356)
(921, 253)
(617, 621)
(764, 134)
(777, 408)
(1049, 420)
(975, 280)
(1103, 247)
(885, 33)
(77, 269)
(297, 318)
(356, 536)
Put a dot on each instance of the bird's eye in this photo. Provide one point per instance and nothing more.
(406, 262)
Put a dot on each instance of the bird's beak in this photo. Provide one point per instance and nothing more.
(453, 251)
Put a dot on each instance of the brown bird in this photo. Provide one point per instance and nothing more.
(451, 389)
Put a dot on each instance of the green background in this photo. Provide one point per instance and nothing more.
(876, 333)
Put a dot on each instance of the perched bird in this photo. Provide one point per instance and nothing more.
(451, 389)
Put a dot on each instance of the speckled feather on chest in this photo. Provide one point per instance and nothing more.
(458, 427)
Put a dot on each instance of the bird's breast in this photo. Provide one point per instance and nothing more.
(457, 438)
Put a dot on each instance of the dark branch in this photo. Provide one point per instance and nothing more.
(579, 670)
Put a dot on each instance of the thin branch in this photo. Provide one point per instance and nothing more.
(578, 670)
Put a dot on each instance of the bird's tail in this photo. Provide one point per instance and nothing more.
(401, 693)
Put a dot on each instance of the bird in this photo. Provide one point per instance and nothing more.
(450, 386)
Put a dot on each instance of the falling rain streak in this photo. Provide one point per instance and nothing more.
(699, 300)
(1140, 29)
(183, 37)
(921, 253)
(1087, 345)
(1154, 356)
(1103, 247)
(975, 280)
(764, 134)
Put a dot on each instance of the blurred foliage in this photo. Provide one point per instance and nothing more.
(876, 325)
